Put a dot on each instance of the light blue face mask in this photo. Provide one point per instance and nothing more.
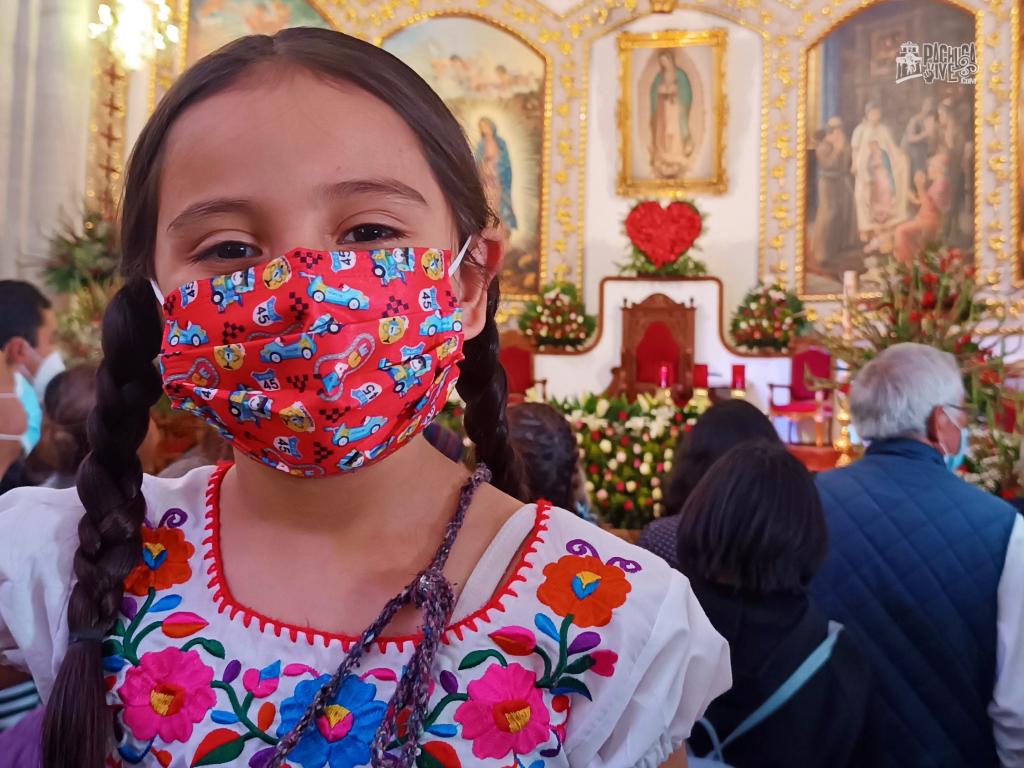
(955, 460)
(26, 395)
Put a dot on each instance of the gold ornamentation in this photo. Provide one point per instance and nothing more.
(663, 6)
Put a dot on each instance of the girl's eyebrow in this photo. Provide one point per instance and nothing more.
(205, 208)
(381, 186)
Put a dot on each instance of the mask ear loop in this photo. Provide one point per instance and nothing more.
(458, 259)
(156, 291)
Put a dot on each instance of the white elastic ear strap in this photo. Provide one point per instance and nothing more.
(458, 259)
(156, 290)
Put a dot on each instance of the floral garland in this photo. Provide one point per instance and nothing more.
(557, 318)
(661, 239)
(770, 317)
(626, 450)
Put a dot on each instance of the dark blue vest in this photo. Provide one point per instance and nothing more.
(915, 558)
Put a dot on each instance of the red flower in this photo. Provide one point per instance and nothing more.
(585, 587)
(623, 415)
(620, 486)
(595, 435)
(604, 662)
(515, 641)
(928, 300)
(165, 556)
(624, 441)
(628, 506)
(930, 279)
(915, 318)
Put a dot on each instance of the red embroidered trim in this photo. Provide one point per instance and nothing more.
(225, 601)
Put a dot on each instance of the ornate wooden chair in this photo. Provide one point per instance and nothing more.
(657, 348)
(516, 357)
(805, 402)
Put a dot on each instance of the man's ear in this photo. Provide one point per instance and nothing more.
(20, 355)
(478, 269)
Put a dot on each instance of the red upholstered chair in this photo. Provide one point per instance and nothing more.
(806, 403)
(657, 333)
(516, 357)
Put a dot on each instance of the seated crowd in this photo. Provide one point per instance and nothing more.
(874, 613)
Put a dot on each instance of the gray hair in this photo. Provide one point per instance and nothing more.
(894, 394)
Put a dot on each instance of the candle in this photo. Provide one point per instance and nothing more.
(739, 377)
(849, 294)
(700, 377)
(666, 375)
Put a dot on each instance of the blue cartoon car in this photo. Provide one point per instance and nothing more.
(322, 293)
(367, 393)
(343, 435)
(324, 324)
(190, 334)
(228, 289)
(351, 460)
(438, 323)
(246, 405)
(406, 374)
(277, 350)
(392, 264)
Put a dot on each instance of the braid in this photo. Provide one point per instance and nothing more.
(78, 724)
(484, 387)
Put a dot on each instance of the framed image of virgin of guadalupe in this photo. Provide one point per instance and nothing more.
(672, 112)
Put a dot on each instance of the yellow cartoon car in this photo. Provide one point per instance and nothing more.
(277, 273)
(297, 418)
(229, 356)
(392, 329)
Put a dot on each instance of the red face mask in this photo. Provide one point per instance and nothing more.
(317, 362)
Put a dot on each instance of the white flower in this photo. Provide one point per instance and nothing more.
(631, 486)
(637, 450)
(590, 486)
(602, 407)
(656, 494)
(648, 457)
(620, 456)
(645, 469)
(613, 465)
(668, 466)
(655, 481)
(669, 453)
(579, 438)
(605, 446)
(602, 495)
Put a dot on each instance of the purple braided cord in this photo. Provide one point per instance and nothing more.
(432, 592)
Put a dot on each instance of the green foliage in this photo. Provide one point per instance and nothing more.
(685, 266)
(557, 318)
(82, 253)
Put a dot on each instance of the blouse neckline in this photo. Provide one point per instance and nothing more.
(224, 600)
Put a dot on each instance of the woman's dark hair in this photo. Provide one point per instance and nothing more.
(63, 442)
(78, 724)
(754, 523)
(722, 427)
(547, 447)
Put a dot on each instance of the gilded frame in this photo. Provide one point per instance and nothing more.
(627, 43)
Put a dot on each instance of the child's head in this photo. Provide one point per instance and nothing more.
(547, 448)
(307, 138)
(754, 523)
(64, 444)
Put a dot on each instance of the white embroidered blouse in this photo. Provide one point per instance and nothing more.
(592, 653)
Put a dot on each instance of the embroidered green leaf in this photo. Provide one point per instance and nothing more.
(572, 685)
(119, 628)
(112, 648)
(220, 746)
(212, 647)
(476, 658)
(581, 665)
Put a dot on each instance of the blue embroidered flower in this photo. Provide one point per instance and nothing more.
(344, 732)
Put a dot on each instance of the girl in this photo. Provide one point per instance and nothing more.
(302, 202)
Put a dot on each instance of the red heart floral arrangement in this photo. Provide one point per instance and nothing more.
(663, 235)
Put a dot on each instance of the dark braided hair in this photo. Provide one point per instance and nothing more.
(78, 725)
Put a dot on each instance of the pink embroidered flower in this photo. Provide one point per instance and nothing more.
(604, 663)
(166, 695)
(515, 641)
(505, 713)
(262, 682)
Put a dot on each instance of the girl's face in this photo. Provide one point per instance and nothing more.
(285, 159)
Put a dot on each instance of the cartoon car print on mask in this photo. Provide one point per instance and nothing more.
(342, 260)
(438, 323)
(297, 418)
(288, 446)
(277, 273)
(341, 365)
(324, 324)
(205, 393)
(322, 293)
(342, 434)
(207, 414)
(190, 334)
(428, 299)
(277, 350)
(246, 405)
(392, 264)
(410, 430)
(392, 329)
(447, 349)
(367, 393)
(228, 289)
(433, 264)
(230, 357)
(407, 373)
(188, 293)
(265, 312)
(355, 459)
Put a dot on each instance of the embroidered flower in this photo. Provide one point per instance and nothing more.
(604, 663)
(505, 713)
(515, 641)
(166, 695)
(344, 731)
(584, 587)
(262, 682)
(165, 555)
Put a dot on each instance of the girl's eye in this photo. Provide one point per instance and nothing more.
(369, 233)
(232, 250)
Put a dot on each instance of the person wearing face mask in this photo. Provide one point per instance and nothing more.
(30, 359)
(926, 571)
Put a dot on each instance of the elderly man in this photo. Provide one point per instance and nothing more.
(926, 571)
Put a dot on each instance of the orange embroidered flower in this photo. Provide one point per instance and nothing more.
(584, 587)
(165, 555)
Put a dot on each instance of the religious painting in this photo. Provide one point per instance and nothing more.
(495, 84)
(889, 144)
(672, 113)
(212, 23)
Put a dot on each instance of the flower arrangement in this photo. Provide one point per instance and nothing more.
(626, 448)
(557, 318)
(770, 317)
(661, 239)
